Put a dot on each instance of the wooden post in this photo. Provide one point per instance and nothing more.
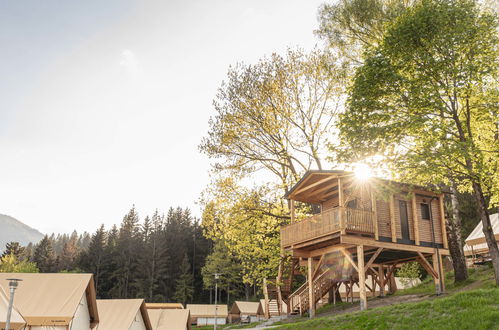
(278, 287)
(443, 273)
(438, 268)
(381, 276)
(267, 302)
(415, 219)
(374, 214)
(392, 219)
(436, 279)
(362, 277)
(442, 220)
(292, 210)
(341, 201)
(311, 300)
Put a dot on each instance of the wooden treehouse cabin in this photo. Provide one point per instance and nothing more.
(355, 229)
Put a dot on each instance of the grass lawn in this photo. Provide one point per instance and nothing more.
(476, 309)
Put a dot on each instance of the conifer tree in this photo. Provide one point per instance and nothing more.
(44, 256)
(92, 260)
(14, 248)
(184, 290)
(126, 255)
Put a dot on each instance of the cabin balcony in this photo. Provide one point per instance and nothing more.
(327, 225)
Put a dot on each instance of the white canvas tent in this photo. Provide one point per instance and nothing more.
(246, 311)
(16, 320)
(55, 301)
(205, 314)
(125, 314)
(475, 242)
(169, 319)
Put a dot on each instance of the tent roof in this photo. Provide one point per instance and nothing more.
(16, 320)
(169, 319)
(120, 313)
(164, 306)
(52, 299)
(247, 307)
(477, 237)
(198, 310)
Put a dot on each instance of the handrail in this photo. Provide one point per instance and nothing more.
(325, 223)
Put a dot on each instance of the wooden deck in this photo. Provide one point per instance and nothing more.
(336, 220)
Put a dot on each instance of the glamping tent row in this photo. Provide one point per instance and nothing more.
(68, 301)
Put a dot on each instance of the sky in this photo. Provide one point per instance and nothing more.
(103, 103)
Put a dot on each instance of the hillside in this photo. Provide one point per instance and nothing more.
(470, 305)
(12, 229)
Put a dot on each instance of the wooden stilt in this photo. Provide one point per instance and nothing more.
(362, 277)
(438, 269)
(266, 297)
(335, 286)
(311, 299)
(351, 290)
(381, 276)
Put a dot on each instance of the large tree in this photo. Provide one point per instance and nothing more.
(350, 27)
(426, 99)
(272, 120)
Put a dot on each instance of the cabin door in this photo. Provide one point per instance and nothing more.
(404, 220)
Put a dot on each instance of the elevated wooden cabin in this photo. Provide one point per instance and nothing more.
(374, 225)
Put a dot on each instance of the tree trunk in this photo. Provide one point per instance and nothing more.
(455, 240)
(487, 228)
(246, 291)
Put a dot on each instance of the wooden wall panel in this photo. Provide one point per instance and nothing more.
(330, 203)
(383, 218)
(424, 225)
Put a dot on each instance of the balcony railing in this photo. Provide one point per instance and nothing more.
(326, 223)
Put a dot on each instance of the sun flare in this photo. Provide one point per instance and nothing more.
(363, 172)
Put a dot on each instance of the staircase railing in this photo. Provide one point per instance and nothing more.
(299, 300)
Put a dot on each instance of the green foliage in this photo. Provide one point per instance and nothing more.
(11, 264)
(221, 261)
(426, 98)
(248, 225)
(184, 289)
(409, 271)
(349, 26)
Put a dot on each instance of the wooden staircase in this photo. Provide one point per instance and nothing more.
(298, 301)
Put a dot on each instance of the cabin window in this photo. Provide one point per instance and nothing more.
(316, 208)
(425, 211)
(352, 204)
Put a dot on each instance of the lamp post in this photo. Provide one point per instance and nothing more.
(217, 276)
(13, 283)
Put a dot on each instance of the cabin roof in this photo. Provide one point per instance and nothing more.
(317, 186)
(199, 310)
(17, 322)
(120, 313)
(247, 308)
(52, 299)
(169, 319)
(477, 238)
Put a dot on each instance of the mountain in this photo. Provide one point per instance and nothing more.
(13, 230)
